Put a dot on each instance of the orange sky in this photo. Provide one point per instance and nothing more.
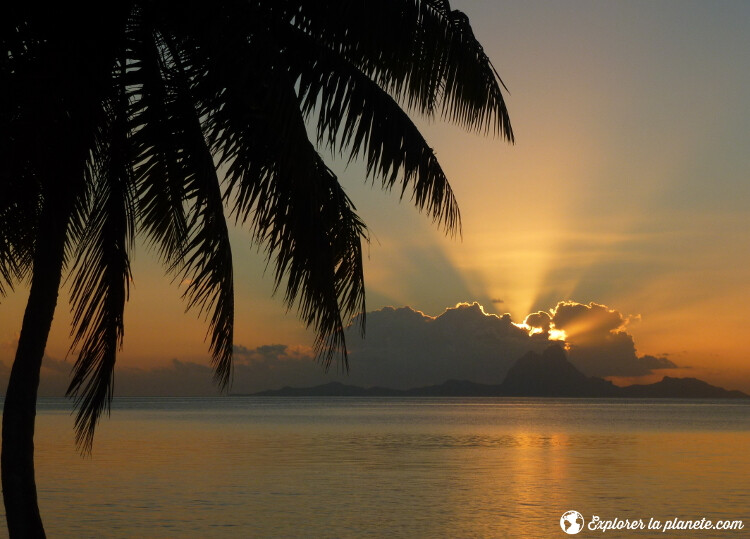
(628, 186)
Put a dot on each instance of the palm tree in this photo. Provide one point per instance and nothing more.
(119, 128)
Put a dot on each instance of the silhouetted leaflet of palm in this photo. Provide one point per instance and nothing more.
(118, 128)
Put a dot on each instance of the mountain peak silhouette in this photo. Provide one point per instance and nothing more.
(552, 375)
(548, 374)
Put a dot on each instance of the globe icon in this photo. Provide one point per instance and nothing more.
(571, 522)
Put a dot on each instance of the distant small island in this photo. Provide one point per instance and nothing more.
(549, 374)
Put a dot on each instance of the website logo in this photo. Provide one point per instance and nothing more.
(571, 522)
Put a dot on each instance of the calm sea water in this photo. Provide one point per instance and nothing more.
(392, 467)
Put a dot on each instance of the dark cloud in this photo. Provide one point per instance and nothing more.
(587, 322)
(403, 348)
(654, 363)
(598, 343)
(177, 378)
(270, 352)
(255, 369)
(541, 320)
(406, 348)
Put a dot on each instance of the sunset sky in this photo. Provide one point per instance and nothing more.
(628, 187)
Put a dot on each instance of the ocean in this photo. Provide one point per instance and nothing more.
(395, 467)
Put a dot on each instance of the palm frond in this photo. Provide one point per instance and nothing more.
(101, 275)
(16, 246)
(19, 216)
(156, 144)
(207, 268)
(205, 264)
(21, 189)
(386, 40)
(281, 188)
(472, 87)
(354, 112)
(419, 51)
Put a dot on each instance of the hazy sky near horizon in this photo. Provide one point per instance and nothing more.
(628, 186)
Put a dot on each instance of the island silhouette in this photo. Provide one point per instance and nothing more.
(549, 374)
